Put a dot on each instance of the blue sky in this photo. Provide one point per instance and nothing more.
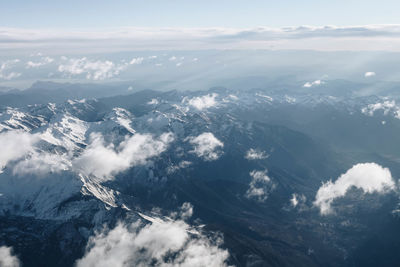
(189, 13)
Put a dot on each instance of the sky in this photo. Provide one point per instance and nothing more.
(78, 14)
(107, 39)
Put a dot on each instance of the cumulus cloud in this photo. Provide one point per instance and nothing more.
(14, 145)
(260, 186)
(103, 161)
(136, 61)
(369, 74)
(255, 154)
(165, 242)
(42, 62)
(314, 83)
(203, 102)
(206, 146)
(7, 259)
(386, 106)
(369, 177)
(94, 70)
(5, 68)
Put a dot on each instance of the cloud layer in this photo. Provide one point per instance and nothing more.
(367, 37)
(369, 177)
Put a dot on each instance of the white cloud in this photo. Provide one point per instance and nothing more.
(254, 154)
(104, 161)
(5, 66)
(136, 61)
(165, 243)
(314, 83)
(206, 146)
(14, 145)
(369, 177)
(203, 102)
(173, 58)
(153, 101)
(7, 259)
(386, 106)
(42, 62)
(290, 99)
(369, 74)
(260, 186)
(297, 200)
(94, 70)
(42, 163)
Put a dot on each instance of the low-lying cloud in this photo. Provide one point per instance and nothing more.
(165, 242)
(314, 83)
(104, 161)
(260, 185)
(255, 154)
(206, 146)
(369, 177)
(14, 145)
(203, 102)
(92, 69)
(7, 259)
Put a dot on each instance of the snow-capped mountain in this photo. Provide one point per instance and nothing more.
(255, 158)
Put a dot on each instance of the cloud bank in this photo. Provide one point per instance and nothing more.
(367, 37)
(369, 177)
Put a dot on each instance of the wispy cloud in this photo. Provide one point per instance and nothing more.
(255, 154)
(6, 72)
(260, 185)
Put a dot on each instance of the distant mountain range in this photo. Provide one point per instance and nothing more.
(235, 173)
